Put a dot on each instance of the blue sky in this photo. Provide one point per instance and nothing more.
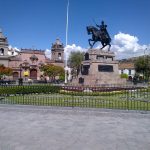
(37, 23)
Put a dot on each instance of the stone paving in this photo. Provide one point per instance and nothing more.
(51, 128)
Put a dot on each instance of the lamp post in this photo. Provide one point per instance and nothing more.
(20, 69)
(20, 79)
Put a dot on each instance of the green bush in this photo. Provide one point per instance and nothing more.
(7, 90)
(124, 75)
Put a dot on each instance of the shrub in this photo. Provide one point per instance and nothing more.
(124, 75)
(7, 90)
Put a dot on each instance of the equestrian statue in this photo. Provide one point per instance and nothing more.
(100, 35)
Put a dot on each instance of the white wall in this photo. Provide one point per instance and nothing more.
(126, 71)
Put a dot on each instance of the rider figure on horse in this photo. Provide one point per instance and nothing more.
(100, 35)
(103, 30)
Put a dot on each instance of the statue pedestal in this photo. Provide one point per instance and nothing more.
(99, 67)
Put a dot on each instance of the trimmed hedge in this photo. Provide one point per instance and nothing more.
(48, 88)
(7, 90)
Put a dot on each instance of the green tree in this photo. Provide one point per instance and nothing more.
(52, 71)
(142, 65)
(74, 61)
(5, 71)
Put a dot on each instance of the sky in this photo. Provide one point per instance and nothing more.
(38, 23)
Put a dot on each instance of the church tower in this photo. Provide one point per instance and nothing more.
(3, 45)
(4, 57)
(57, 51)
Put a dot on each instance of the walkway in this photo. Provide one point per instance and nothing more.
(50, 128)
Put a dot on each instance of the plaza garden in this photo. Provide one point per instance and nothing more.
(110, 97)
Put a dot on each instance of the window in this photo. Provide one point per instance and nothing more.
(86, 56)
(85, 69)
(1, 51)
(129, 71)
(59, 56)
(81, 80)
(105, 68)
(109, 58)
(100, 57)
(121, 71)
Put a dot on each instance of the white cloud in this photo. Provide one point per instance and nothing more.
(126, 45)
(72, 48)
(123, 45)
(67, 50)
(48, 53)
(15, 50)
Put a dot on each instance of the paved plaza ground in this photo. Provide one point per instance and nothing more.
(51, 128)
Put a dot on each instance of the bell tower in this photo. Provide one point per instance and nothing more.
(4, 57)
(3, 45)
(57, 51)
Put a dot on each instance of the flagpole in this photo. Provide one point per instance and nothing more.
(66, 67)
(67, 23)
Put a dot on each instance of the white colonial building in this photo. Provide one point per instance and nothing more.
(127, 68)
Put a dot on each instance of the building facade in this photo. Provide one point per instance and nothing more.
(27, 62)
(4, 57)
(127, 68)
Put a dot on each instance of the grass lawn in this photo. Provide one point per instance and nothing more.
(133, 100)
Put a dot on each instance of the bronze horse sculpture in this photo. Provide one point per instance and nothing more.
(99, 35)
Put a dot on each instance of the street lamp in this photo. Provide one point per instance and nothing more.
(20, 69)
(20, 79)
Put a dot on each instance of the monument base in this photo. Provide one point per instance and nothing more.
(99, 67)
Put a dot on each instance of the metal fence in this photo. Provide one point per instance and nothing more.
(108, 96)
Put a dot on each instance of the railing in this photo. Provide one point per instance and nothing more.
(111, 97)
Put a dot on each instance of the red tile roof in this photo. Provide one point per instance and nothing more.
(126, 65)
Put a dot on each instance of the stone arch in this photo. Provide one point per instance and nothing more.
(59, 56)
(15, 75)
(1, 51)
(33, 74)
(81, 80)
(86, 56)
(130, 78)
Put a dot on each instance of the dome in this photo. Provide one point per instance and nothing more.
(57, 45)
(58, 42)
(33, 57)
